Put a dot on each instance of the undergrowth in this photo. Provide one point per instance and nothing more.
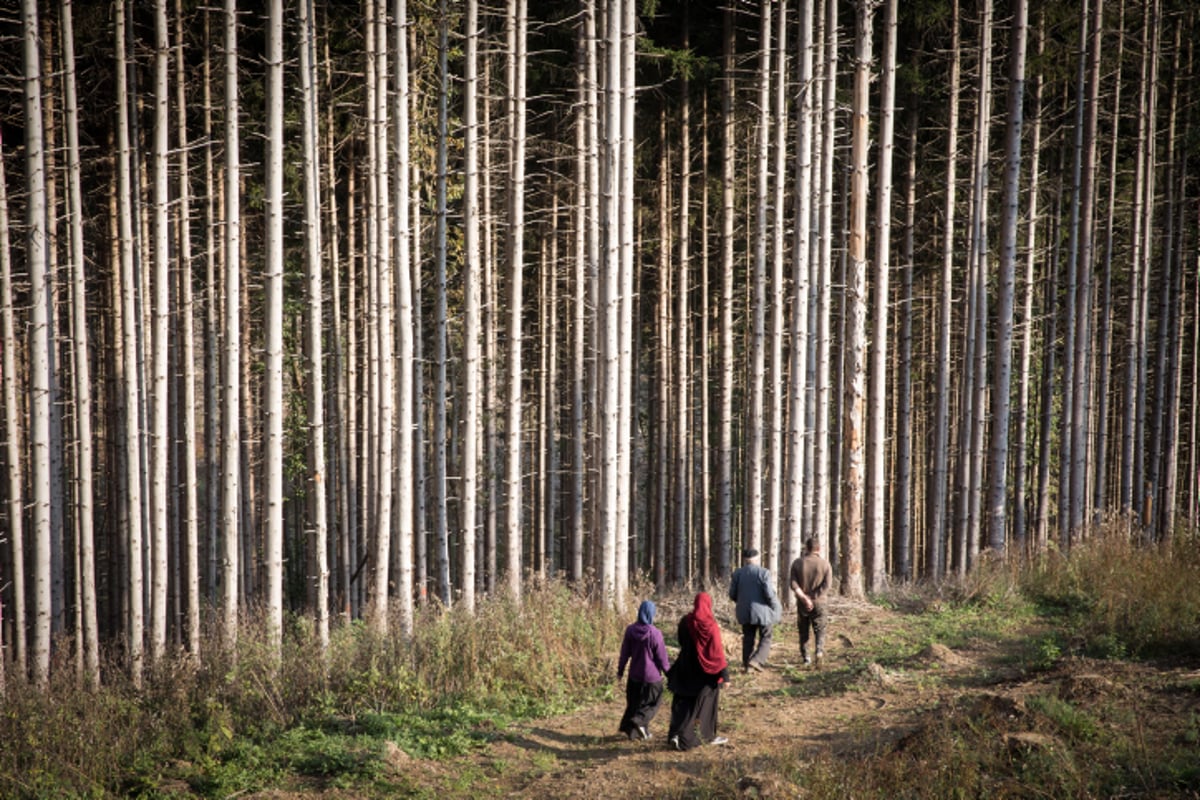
(242, 724)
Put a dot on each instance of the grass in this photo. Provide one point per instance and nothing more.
(245, 724)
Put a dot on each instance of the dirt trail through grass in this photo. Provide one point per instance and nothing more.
(848, 703)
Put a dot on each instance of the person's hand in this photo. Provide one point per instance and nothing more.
(808, 604)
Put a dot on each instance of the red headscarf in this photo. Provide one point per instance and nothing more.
(707, 635)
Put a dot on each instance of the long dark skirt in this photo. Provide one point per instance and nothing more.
(641, 704)
(688, 711)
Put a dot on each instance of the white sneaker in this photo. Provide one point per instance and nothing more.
(645, 734)
(675, 743)
(719, 740)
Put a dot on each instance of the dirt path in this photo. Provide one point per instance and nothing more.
(580, 755)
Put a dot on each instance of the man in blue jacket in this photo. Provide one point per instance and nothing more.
(758, 609)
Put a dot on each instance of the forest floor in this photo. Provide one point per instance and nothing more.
(875, 692)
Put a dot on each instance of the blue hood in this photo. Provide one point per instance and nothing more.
(646, 612)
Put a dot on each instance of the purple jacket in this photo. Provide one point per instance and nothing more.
(643, 649)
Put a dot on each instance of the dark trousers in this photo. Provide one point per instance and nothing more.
(759, 655)
(814, 620)
(641, 704)
(687, 711)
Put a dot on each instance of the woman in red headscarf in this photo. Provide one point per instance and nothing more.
(696, 677)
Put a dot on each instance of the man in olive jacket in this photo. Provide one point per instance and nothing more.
(758, 609)
(810, 579)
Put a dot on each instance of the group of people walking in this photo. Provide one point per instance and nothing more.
(700, 668)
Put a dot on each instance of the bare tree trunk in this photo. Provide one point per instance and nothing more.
(517, 26)
(682, 346)
(405, 402)
(874, 552)
(1006, 285)
(1079, 393)
(752, 535)
(231, 397)
(273, 286)
(314, 348)
(902, 530)
(129, 333)
(471, 291)
(1021, 424)
(798, 490)
(84, 509)
(1100, 474)
(440, 523)
(728, 219)
(936, 537)
(778, 380)
(12, 437)
(854, 378)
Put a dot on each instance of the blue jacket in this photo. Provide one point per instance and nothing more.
(756, 601)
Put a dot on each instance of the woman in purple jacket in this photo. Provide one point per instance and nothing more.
(646, 653)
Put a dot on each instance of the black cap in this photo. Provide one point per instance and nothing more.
(749, 552)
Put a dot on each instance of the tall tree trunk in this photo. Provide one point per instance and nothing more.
(778, 380)
(1021, 423)
(936, 537)
(825, 480)
(84, 510)
(191, 510)
(273, 286)
(752, 535)
(313, 345)
(854, 378)
(231, 396)
(1079, 394)
(13, 459)
(129, 335)
(517, 25)
(798, 490)
(405, 400)
(902, 531)
(1006, 285)
(728, 220)
(874, 552)
(471, 292)
(440, 523)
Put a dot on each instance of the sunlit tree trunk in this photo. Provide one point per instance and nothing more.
(1101, 471)
(798, 490)
(1021, 423)
(626, 290)
(728, 220)
(1083, 340)
(191, 510)
(824, 478)
(406, 403)
(131, 445)
(273, 285)
(84, 511)
(778, 380)
(13, 460)
(313, 344)
(874, 552)
(1006, 286)
(231, 396)
(936, 537)
(752, 535)
(440, 523)
(472, 274)
(855, 366)
(902, 530)
(517, 25)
